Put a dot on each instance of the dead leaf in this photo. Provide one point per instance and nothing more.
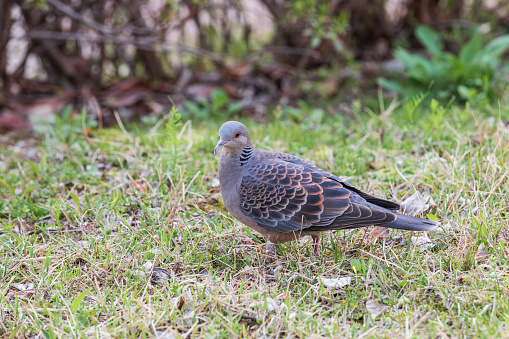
(423, 242)
(180, 302)
(378, 233)
(187, 318)
(79, 245)
(139, 185)
(164, 335)
(43, 109)
(336, 282)
(98, 331)
(206, 203)
(416, 204)
(482, 253)
(214, 183)
(24, 287)
(375, 309)
(396, 241)
(272, 305)
(281, 296)
(159, 275)
(299, 277)
(11, 122)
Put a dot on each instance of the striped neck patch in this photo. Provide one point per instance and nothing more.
(247, 153)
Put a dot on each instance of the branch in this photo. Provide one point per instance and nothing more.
(143, 43)
(273, 8)
(77, 16)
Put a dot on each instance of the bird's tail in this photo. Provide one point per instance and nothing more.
(408, 223)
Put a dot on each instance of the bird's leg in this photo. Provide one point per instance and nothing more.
(271, 248)
(316, 244)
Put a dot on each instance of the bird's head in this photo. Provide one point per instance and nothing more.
(234, 136)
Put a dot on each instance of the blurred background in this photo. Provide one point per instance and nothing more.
(216, 60)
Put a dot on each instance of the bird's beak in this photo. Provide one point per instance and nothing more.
(220, 144)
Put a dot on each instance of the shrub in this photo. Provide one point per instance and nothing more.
(216, 108)
(470, 76)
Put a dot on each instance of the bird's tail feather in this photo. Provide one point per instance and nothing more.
(408, 223)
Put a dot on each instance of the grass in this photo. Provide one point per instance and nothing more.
(123, 234)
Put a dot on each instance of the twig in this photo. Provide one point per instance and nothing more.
(142, 43)
(273, 8)
(77, 16)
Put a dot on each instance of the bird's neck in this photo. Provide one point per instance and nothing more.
(238, 157)
(233, 162)
(247, 153)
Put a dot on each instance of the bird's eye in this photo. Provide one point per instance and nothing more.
(237, 134)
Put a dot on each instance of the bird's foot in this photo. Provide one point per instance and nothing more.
(316, 249)
(316, 245)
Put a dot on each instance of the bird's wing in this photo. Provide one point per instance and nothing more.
(286, 197)
(368, 197)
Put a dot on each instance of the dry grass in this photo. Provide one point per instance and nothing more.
(125, 236)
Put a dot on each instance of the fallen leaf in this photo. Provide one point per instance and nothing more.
(79, 245)
(147, 266)
(98, 331)
(300, 277)
(180, 302)
(336, 282)
(396, 241)
(272, 305)
(416, 204)
(277, 270)
(375, 309)
(10, 121)
(281, 296)
(214, 183)
(139, 185)
(187, 318)
(164, 335)
(423, 242)
(378, 233)
(23, 287)
(482, 253)
(159, 275)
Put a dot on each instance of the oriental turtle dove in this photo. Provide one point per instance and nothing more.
(284, 197)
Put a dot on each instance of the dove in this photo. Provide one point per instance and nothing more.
(284, 197)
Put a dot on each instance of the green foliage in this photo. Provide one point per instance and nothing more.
(304, 111)
(320, 25)
(84, 238)
(215, 108)
(66, 127)
(469, 76)
(173, 131)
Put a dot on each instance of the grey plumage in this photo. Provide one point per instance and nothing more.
(284, 197)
